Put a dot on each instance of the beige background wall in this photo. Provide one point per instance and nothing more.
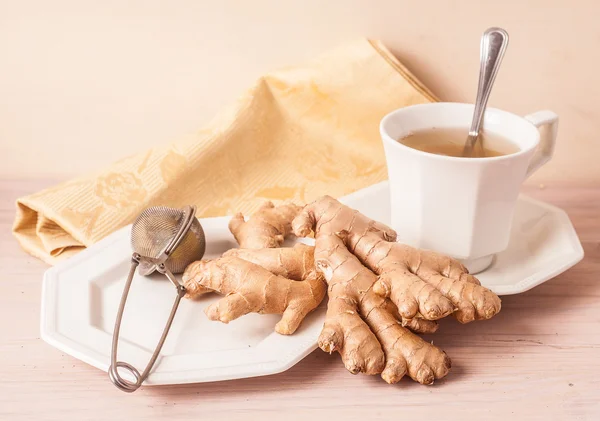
(100, 80)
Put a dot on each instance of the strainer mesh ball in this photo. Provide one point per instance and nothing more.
(156, 227)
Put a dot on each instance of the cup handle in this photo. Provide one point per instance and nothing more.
(545, 149)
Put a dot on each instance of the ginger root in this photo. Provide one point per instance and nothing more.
(266, 228)
(260, 278)
(380, 291)
(377, 287)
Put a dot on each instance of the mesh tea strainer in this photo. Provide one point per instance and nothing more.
(165, 240)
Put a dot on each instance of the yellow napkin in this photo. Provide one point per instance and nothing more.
(296, 134)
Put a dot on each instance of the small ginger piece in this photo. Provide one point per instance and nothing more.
(266, 228)
(250, 288)
(260, 278)
(377, 286)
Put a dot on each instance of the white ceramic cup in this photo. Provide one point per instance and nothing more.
(461, 207)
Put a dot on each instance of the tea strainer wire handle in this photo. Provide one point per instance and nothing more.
(124, 384)
(165, 240)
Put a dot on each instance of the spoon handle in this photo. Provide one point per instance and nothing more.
(493, 45)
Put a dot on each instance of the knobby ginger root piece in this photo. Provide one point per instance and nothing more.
(266, 228)
(421, 283)
(350, 249)
(402, 268)
(361, 325)
(250, 288)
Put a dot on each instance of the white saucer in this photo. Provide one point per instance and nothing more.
(80, 298)
(543, 242)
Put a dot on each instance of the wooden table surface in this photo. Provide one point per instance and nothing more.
(538, 359)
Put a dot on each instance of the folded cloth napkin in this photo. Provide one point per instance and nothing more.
(296, 134)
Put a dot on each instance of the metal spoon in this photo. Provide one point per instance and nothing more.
(493, 45)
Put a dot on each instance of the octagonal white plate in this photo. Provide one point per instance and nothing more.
(80, 298)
